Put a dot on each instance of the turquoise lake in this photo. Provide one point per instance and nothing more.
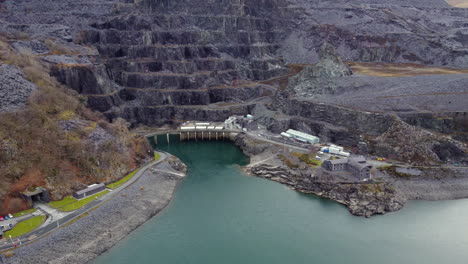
(220, 215)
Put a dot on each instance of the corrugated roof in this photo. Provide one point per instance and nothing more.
(301, 134)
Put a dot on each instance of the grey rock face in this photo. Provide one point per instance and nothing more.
(31, 47)
(14, 88)
(319, 78)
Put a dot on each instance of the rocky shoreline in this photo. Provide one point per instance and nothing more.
(387, 193)
(100, 229)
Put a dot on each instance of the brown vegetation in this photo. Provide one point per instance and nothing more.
(37, 151)
(291, 164)
(399, 69)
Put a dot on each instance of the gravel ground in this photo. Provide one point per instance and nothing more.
(14, 88)
(102, 228)
(435, 184)
(433, 93)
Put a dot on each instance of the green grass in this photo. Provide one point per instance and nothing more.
(157, 156)
(25, 212)
(65, 201)
(25, 226)
(69, 203)
(125, 179)
(308, 158)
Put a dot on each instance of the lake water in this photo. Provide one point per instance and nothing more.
(221, 216)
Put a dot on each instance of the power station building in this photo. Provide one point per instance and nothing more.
(301, 136)
(357, 165)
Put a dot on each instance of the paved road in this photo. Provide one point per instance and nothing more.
(65, 218)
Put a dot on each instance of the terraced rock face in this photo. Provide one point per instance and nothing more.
(179, 57)
(161, 61)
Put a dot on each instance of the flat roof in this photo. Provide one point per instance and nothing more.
(301, 134)
(90, 188)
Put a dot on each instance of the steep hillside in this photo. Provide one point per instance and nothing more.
(49, 138)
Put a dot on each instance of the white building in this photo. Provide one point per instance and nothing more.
(335, 150)
(301, 136)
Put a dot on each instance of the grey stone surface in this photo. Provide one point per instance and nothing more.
(319, 78)
(14, 88)
(30, 47)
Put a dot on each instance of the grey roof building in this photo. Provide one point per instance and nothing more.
(357, 165)
(92, 189)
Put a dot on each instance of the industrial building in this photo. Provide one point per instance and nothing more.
(90, 190)
(301, 136)
(357, 165)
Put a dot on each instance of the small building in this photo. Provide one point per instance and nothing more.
(301, 136)
(90, 190)
(335, 165)
(357, 165)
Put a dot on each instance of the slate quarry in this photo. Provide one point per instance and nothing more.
(157, 62)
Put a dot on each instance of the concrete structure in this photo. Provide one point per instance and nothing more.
(357, 165)
(37, 195)
(246, 123)
(90, 190)
(301, 136)
(232, 123)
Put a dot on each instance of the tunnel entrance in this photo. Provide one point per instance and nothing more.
(37, 195)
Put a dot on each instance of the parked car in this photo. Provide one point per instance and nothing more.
(6, 217)
(10, 215)
(1, 218)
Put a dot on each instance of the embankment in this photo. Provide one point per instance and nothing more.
(100, 229)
